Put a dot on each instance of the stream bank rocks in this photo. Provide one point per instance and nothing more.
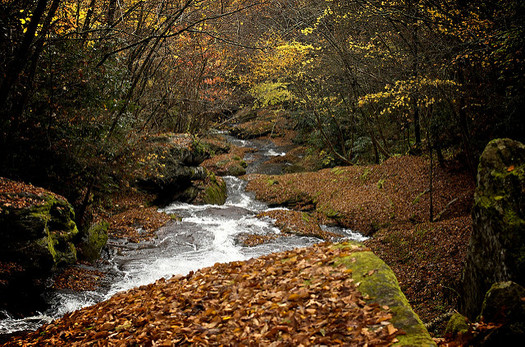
(497, 245)
(171, 171)
(379, 285)
(37, 235)
(92, 241)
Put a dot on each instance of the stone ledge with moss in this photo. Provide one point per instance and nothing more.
(211, 190)
(37, 231)
(92, 241)
(377, 282)
(38, 227)
(497, 244)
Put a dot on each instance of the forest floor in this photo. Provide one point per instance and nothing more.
(299, 297)
(391, 203)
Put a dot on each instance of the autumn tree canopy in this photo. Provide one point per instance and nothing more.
(84, 81)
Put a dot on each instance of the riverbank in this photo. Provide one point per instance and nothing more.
(391, 203)
(307, 296)
(321, 325)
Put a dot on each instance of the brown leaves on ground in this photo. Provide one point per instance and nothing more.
(130, 219)
(427, 259)
(250, 240)
(137, 224)
(77, 278)
(289, 222)
(15, 194)
(274, 124)
(298, 223)
(293, 298)
(220, 164)
(391, 201)
(365, 198)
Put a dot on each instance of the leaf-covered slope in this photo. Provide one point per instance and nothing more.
(305, 296)
(392, 201)
(365, 198)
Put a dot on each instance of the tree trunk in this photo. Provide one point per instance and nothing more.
(87, 21)
(111, 12)
(19, 61)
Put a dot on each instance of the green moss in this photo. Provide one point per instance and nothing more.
(40, 237)
(377, 281)
(337, 170)
(94, 240)
(418, 197)
(512, 219)
(305, 217)
(59, 228)
(457, 325)
(222, 163)
(328, 211)
(215, 191)
(271, 182)
(236, 169)
(365, 174)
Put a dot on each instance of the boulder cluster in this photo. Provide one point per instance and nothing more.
(38, 234)
(494, 275)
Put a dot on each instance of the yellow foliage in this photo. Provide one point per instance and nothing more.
(402, 94)
(279, 62)
(268, 94)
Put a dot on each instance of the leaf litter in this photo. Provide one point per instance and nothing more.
(293, 298)
(391, 203)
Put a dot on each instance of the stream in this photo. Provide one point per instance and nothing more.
(205, 235)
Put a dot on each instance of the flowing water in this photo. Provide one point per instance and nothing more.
(205, 235)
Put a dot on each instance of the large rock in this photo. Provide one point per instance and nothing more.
(497, 245)
(171, 166)
(457, 325)
(209, 190)
(92, 241)
(230, 165)
(377, 282)
(504, 304)
(37, 231)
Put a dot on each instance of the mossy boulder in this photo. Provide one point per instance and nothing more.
(37, 233)
(211, 191)
(92, 241)
(457, 325)
(504, 306)
(504, 302)
(231, 166)
(237, 169)
(39, 236)
(497, 246)
(170, 165)
(377, 282)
